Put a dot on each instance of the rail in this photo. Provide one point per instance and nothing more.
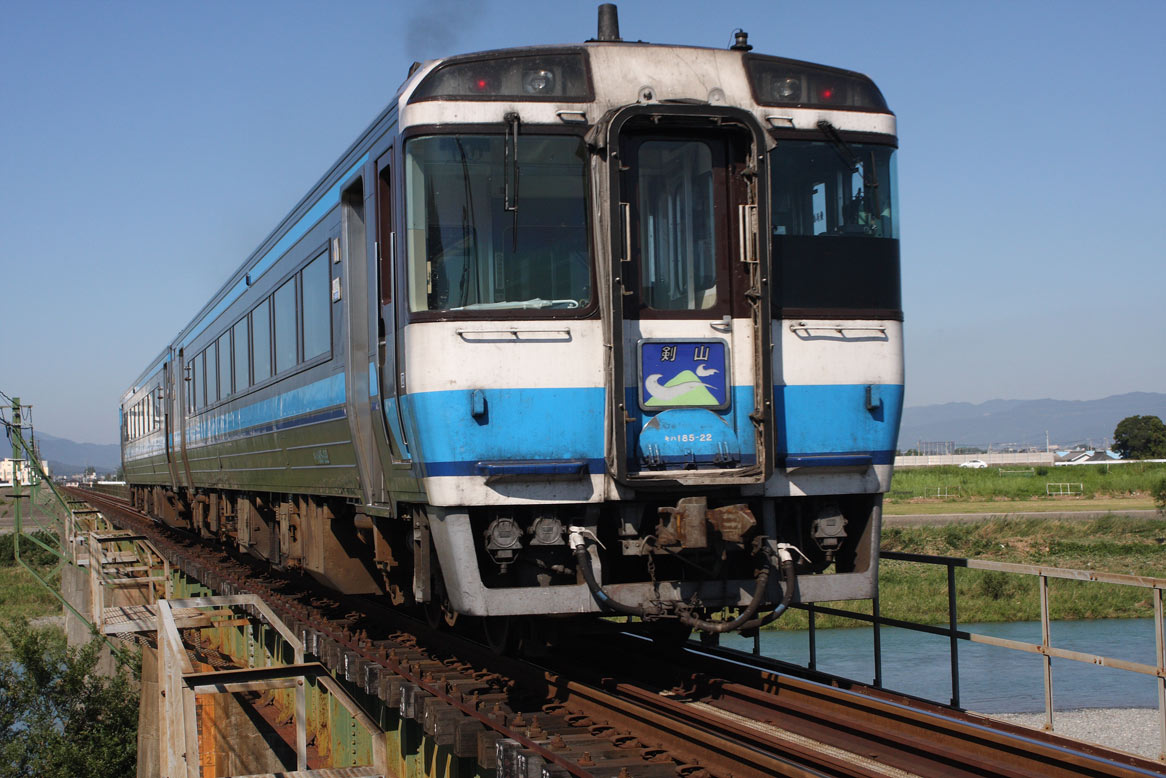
(1045, 649)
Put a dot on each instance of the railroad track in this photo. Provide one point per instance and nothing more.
(687, 713)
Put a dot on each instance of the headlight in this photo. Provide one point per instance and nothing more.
(787, 89)
(536, 82)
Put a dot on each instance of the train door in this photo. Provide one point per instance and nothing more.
(183, 395)
(167, 408)
(390, 365)
(694, 357)
(352, 245)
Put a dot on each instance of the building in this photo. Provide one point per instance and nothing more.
(18, 469)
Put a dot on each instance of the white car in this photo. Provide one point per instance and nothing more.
(975, 464)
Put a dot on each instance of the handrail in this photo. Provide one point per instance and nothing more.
(1044, 648)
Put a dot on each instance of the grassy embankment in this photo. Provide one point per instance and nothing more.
(1112, 544)
(916, 592)
(21, 595)
(1014, 489)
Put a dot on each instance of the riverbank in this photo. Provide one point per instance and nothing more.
(918, 593)
(1133, 730)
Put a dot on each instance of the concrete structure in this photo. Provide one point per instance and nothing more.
(993, 459)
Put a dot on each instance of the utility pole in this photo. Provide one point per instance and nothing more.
(16, 440)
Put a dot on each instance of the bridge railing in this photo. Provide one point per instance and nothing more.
(1045, 649)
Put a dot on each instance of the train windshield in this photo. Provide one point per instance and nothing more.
(835, 217)
(494, 227)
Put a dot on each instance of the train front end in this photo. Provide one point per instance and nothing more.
(650, 356)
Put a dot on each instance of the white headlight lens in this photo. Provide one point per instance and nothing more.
(536, 82)
(787, 89)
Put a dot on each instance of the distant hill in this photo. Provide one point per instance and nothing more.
(66, 457)
(1024, 422)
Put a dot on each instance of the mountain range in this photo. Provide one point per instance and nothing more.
(1026, 422)
(65, 457)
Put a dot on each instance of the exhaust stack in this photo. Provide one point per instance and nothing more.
(608, 23)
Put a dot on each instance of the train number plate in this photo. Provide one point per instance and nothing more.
(684, 374)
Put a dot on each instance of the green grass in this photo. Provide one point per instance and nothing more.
(1002, 506)
(916, 592)
(23, 597)
(1137, 479)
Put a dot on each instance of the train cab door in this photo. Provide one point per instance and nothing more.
(694, 364)
(389, 341)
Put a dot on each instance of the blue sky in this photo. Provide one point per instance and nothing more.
(146, 148)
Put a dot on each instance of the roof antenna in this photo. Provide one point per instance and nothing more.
(608, 23)
(740, 41)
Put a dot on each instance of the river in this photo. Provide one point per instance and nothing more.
(992, 679)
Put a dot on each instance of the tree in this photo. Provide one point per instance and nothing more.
(58, 718)
(1140, 437)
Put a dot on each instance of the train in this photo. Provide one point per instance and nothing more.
(607, 328)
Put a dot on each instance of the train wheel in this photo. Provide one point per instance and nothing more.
(669, 634)
(438, 611)
(501, 634)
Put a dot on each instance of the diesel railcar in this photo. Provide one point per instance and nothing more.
(600, 328)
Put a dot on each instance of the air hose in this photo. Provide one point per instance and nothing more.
(577, 541)
(789, 578)
(774, 552)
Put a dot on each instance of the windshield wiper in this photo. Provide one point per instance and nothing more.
(850, 158)
(536, 302)
(510, 172)
(846, 152)
(469, 229)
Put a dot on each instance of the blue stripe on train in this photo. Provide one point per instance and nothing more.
(566, 425)
(321, 400)
(514, 424)
(833, 420)
(821, 425)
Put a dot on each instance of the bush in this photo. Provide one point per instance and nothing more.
(996, 585)
(1160, 496)
(30, 552)
(57, 717)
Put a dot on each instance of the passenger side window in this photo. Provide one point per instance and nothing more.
(212, 375)
(224, 347)
(196, 372)
(317, 308)
(285, 326)
(261, 340)
(240, 342)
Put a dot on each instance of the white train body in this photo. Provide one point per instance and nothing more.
(626, 307)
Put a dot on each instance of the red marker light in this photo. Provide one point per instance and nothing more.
(827, 94)
(481, 85)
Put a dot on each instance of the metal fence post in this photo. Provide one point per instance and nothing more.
(878, 640)
(1160, 656)
(952, 623)
(1045, 658)
(813, 637)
